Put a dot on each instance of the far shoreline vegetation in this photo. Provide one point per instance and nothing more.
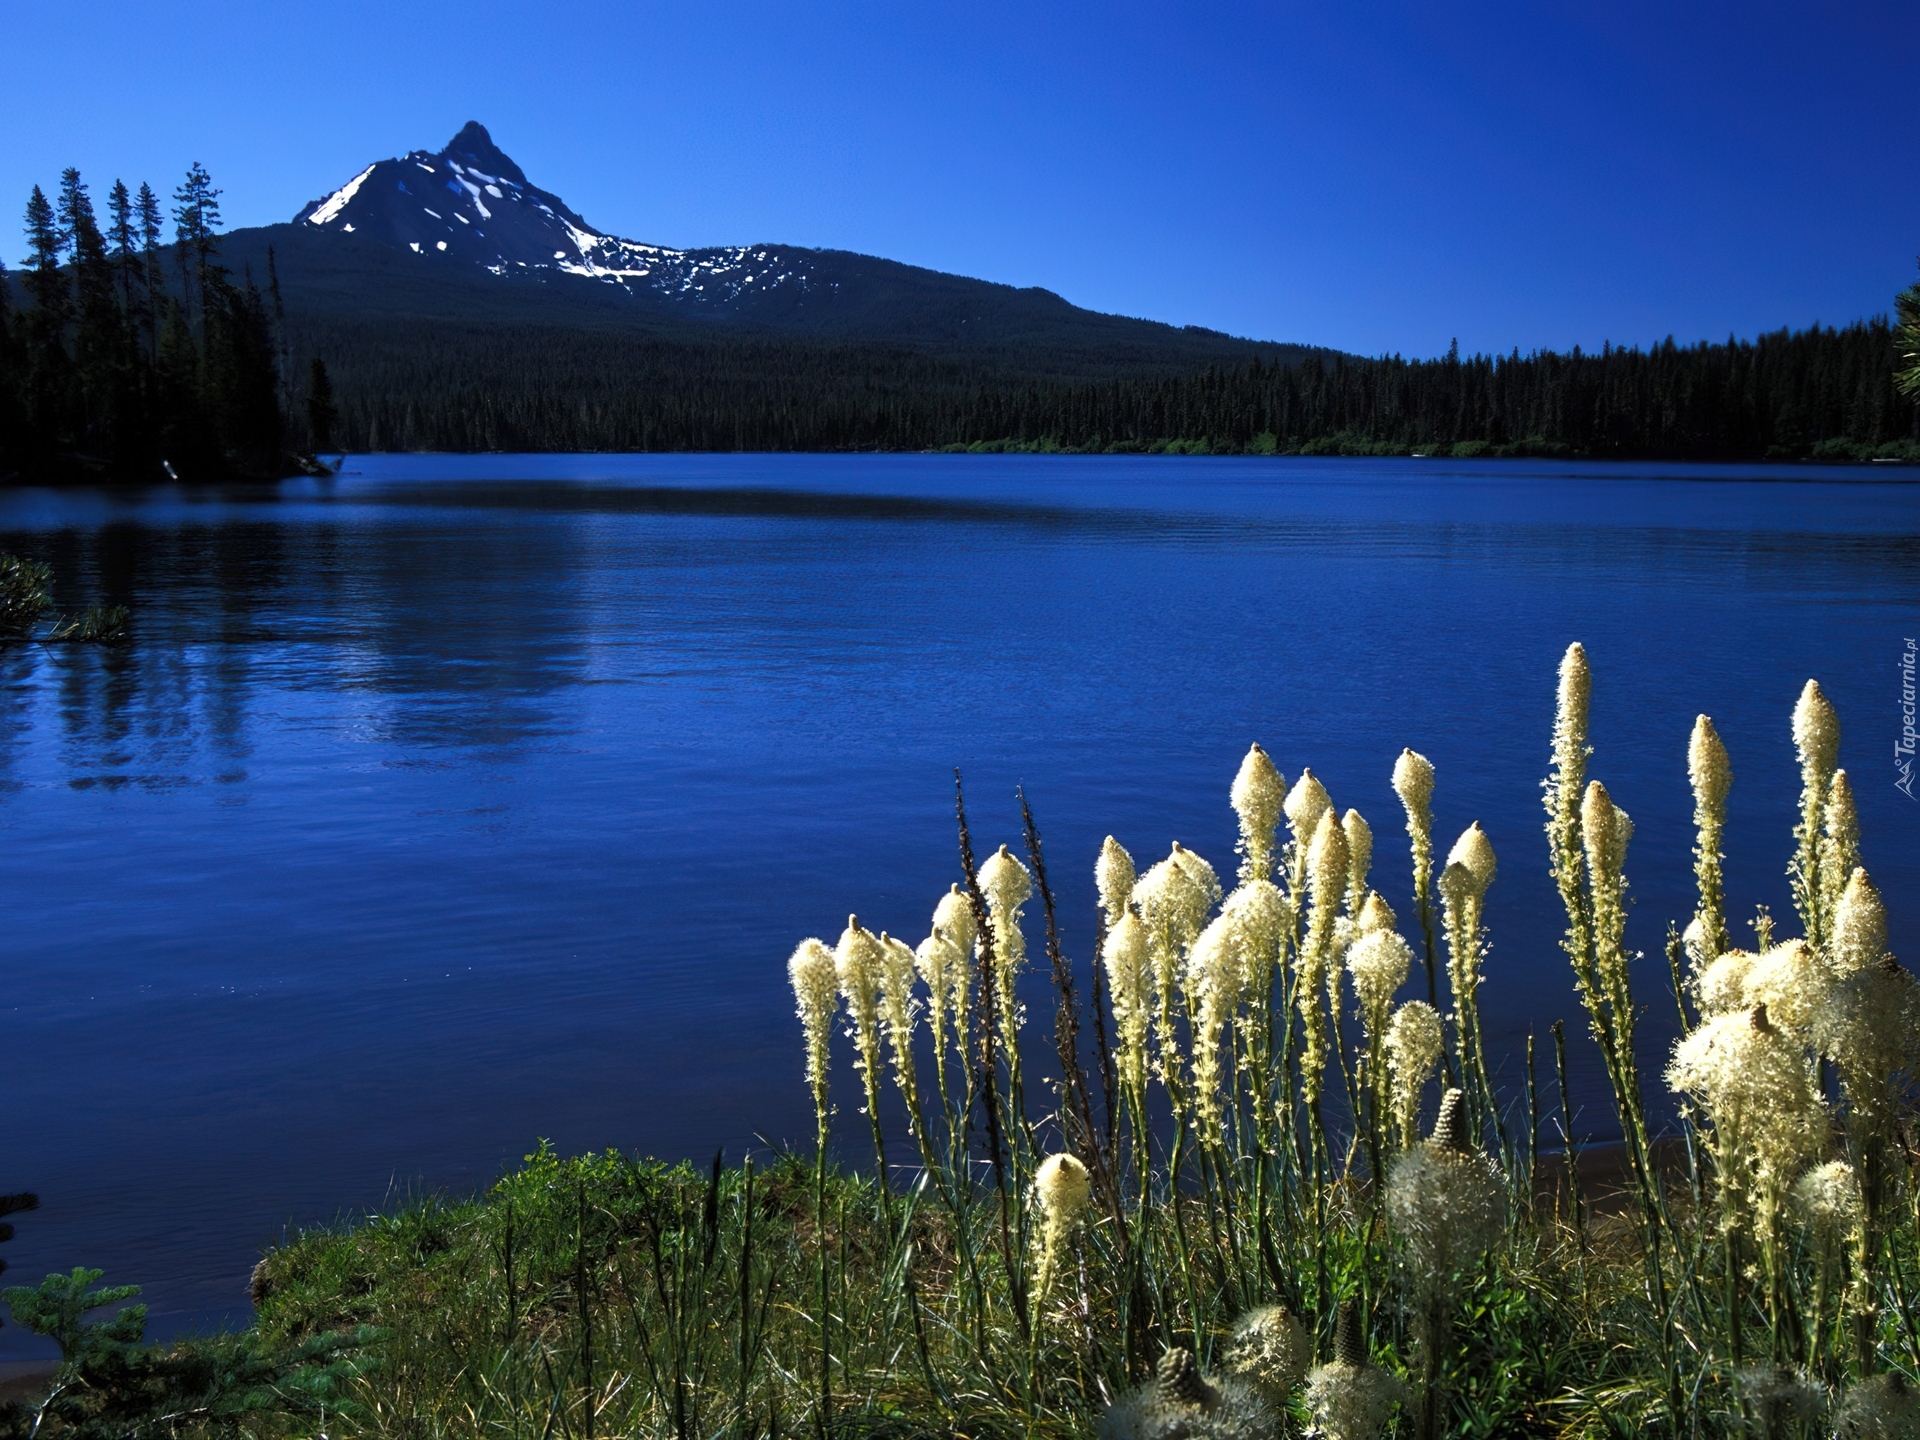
(127, 357)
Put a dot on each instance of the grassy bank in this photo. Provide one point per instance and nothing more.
(1261, 1188)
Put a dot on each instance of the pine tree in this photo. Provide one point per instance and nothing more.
(196, 225)
(99, 353)
(49, 372)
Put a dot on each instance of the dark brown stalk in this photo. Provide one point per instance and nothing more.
(988, 1061)
(1066, 1029)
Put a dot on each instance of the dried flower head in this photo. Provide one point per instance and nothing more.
(1446, 1201)
(1270, 1348)
(1827, 1201)
(1379, 963)
(1415, 1040)
(815, 989)
(1258, 796)
(1777, 1398)
(1352, 1399)
(1113, 876)
(1061, 1194)
(1376, 914)
(1859, 926)
(1887, 1407)
(1182, 1404)
(1130, 983)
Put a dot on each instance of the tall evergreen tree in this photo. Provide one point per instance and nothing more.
(99, 354)
(196, 226)
(49, 371)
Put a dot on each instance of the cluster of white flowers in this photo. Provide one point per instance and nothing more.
(1062, 1192)
(1415, 1040)
(1446, 1201)
(1113, 877)
(1258, 796)
(815, 989)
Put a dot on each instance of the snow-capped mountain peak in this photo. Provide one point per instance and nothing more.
(470, 204)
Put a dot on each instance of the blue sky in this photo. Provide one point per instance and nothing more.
(1379, 177)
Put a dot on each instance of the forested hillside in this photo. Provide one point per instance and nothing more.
(1815, 393)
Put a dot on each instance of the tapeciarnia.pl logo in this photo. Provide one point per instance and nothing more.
(1903, 747)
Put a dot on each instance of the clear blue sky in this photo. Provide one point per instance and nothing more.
(1377, 177)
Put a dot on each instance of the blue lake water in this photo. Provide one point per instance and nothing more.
(460, 801)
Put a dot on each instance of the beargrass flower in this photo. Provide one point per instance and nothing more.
(1375, 914)
(1379, 963)
(1129, 964)
(1113, 876)
(1061, 1195)
(901, 1010)
(1415, 1040)
(1827, 1201)
(815, 990)
(859, 967)
(1859, 926)
(1007, 886)
(1711, 776)
(1305, 804)
(954, 915)
(1259, 792)
(1840, 850)
(1214, 982)
(1359, 857)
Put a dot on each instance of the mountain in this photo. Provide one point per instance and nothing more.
(462, 234)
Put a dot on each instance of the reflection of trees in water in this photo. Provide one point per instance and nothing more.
(463, 632)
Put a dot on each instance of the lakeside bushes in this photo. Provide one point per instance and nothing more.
(1250, 1185)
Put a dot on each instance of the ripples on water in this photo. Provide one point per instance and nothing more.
(458, 802)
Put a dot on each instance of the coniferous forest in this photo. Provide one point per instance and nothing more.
(1820, 393)
(123, 356)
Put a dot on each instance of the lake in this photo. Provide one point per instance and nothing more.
(457, 802)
